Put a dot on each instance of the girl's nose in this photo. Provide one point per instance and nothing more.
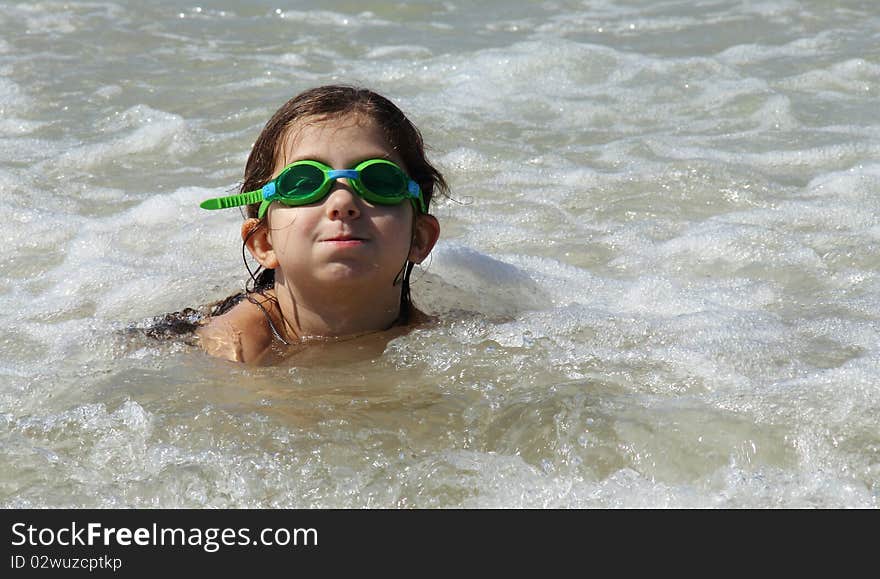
(342, 202)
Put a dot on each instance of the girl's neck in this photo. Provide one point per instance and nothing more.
(339, 314)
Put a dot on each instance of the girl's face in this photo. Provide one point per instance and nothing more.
(342, 241)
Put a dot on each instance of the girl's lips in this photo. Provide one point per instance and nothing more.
(344, 241)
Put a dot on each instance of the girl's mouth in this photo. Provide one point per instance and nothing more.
(344, 240)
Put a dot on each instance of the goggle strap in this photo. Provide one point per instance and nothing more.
(417, 198)
(233, 200)
(263, 207)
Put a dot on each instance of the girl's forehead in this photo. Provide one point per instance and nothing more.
(346, 138)
(316, 130)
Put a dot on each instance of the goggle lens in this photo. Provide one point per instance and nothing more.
(384, 180)
(300, 181)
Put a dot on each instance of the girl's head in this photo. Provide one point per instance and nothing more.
(341, 241)
(336, 101)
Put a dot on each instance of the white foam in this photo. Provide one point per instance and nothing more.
(139, 129)
(12, 98)
(292, 60)
(855, 76)
(109, 91)
(750, 54)
(332, 19)
(505, 76)
(110, 266)
(404, 51)
(495, 287)
(16, 127)
(463, 160)
(721, 247)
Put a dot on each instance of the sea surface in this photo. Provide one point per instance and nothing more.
(658, 281)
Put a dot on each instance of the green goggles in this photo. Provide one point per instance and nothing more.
(378, 181)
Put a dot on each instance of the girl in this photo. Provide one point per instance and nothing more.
(337, 188)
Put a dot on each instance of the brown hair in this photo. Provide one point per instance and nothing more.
(334, 101)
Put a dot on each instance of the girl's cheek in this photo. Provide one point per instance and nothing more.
(286, 218)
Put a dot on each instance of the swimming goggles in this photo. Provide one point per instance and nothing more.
(378, 181)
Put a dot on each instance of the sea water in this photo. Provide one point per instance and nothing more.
(658, 282)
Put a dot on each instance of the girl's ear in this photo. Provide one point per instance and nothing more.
(425, 234)
(255, 235)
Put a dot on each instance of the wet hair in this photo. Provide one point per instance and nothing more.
(331, 102)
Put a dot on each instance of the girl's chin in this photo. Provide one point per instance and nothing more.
(348, 273)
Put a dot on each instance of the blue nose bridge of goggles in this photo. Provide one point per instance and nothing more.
(342, 174)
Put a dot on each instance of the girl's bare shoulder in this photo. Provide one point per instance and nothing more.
(240, 334)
